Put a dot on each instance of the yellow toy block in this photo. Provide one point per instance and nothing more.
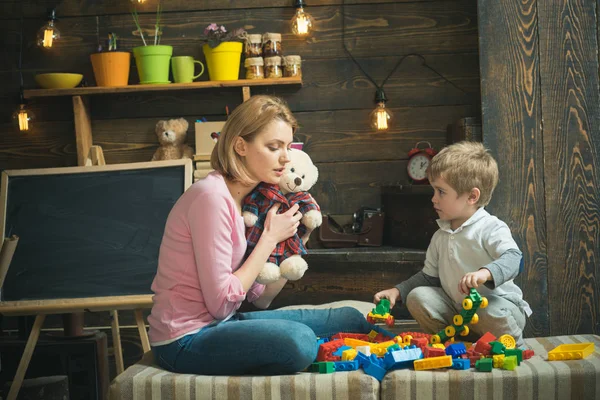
(433, 363)
(438, 346)
(349, 355)
(406, 340)
(355, 342)
(575, 351)
(372, 335)
(498, 360)
(508, 341)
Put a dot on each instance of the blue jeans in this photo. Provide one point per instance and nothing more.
(262, 342)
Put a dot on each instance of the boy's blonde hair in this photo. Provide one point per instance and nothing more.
(246, 121)
(466, 165)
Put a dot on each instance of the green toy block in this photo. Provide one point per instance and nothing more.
(497, 348)
(325, 367)
(484, 365)
(510, 363)
(515, 352)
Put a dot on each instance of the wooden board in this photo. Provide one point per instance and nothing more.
(569, 99)
(511, 128)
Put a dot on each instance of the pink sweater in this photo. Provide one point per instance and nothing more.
(203, 244)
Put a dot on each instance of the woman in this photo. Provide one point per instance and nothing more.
(202, 277)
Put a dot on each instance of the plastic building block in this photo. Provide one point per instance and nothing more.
(355, 342)
(497, 348)
(346, 365)
(340, 350)
(358, 336)
(456, 350)
(402, 358)
(527, 354)
(473, 360)
(322, 367)
(366, 350)
(362, 359)
(471, 303)
(326, 351)
(394, 347)
(485, 339)
(419, 342)
(575, 351)
(484, 365)
(498, 360)
(508, 341)
(439, 346)
(510, 363)
(381, 313)
(515, 352)
(434, 352)
(375, 371)
(349, 355)
(433, 363)
(461, 363)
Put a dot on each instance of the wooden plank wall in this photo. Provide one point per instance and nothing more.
(332, 106)
(540, 101)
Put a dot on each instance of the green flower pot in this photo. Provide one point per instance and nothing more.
(153, 63)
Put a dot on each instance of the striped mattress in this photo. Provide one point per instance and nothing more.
(533, 379)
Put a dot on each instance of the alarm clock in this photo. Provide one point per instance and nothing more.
(418, 162)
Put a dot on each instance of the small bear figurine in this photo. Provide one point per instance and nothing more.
(299, 176)
(171, 136)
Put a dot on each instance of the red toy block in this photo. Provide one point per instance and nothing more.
(416, 335)
(527, 354)
(326, 350)
(474, 359)
(420, 343)
(359, 336)
(433, 352)
(483, 347)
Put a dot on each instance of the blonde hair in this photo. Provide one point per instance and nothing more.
(246, 121)
(466, 165)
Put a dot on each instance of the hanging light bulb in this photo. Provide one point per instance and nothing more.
(23, 117)
(138, 1)
(48, 33)
(302, 22)
(381, 116)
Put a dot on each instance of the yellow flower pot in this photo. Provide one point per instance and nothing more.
(223, 61)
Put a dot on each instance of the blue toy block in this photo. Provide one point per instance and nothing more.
(402, 358)
(376, 360)
(461, 363)
(387, 333)
(456, 350)
(339, 351)
(346, 365)
(375, 371)
(363, 360)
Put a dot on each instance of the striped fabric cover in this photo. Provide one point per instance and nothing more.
(143, 381)
(535, 378)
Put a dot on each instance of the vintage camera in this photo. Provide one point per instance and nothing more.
(361, 215)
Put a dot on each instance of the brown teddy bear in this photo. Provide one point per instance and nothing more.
(171, 136)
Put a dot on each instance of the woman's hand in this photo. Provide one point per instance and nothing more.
(279, 227)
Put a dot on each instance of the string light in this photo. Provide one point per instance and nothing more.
(48, 34)
(22, 118)
(381, 117)
(302, 22)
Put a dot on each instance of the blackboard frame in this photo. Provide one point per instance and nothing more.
(51, 306)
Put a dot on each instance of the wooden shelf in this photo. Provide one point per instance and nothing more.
(92, 90)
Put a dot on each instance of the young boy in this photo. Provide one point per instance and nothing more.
(472, 249)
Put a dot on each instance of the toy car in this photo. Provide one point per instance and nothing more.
(381, 313)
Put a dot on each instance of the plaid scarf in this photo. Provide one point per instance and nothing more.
(259, 202)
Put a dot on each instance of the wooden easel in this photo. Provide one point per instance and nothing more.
(94, 157)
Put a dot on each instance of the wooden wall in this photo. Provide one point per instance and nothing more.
(332, 106)
(541, 101)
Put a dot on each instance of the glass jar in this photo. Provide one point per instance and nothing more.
(273, 68)
(292, 66)
(253, 46)
(271, 43)
(254, 68)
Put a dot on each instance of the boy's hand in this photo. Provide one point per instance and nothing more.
(392, 295)
(473, 280)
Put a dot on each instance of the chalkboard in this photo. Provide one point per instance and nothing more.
(87, 231)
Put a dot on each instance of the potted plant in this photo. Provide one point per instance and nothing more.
(111, 67)
(223, 52)
(152, 60)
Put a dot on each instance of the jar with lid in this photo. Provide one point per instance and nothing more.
(273, 67)
(271, 43)
(253, 45)
(292, 66)
(254, 68)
